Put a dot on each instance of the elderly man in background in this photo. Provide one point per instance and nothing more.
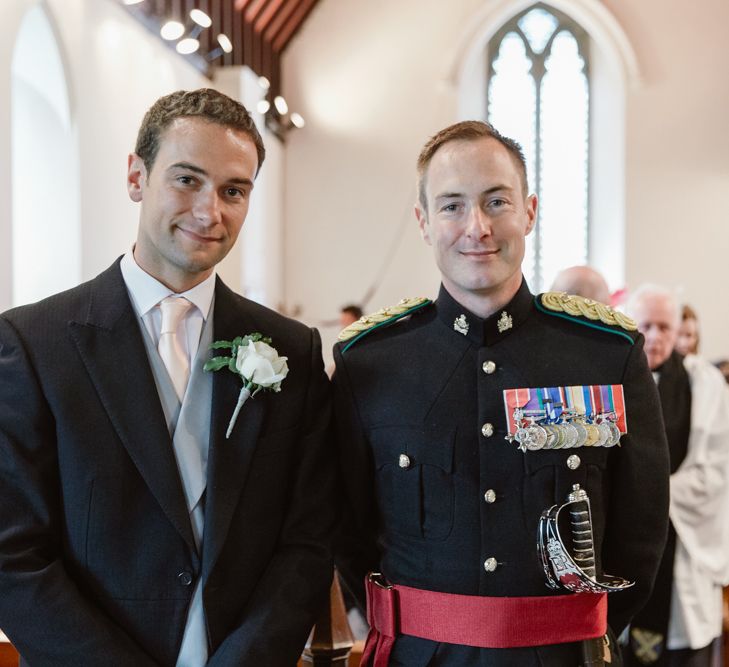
(684, 613)
(582, 280)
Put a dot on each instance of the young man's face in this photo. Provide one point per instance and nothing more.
(477, 219)
(194, 200)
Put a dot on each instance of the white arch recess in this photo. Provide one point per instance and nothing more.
(46, 230)
(615, 71)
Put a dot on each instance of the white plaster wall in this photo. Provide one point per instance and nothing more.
(373, 81)
(115, 70)
(678, 156)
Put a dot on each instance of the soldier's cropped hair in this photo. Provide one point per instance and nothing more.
(467, 130)
(206, 103)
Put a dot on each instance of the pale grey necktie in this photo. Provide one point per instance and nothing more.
(170, 350)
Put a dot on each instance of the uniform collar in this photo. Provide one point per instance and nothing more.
(462, 322)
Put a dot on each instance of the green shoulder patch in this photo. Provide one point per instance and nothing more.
(586, 312)
(368, 323)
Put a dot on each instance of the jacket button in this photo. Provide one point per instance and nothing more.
(490, 496)
(487, 430)
(490, 564)
(488, 367)
(573, 462)
(185, 578)
(404, 461)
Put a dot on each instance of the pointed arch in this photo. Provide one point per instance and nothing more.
(615, 69)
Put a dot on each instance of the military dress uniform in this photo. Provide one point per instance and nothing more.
(438, 499)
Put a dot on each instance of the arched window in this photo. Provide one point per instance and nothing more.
(538, 93)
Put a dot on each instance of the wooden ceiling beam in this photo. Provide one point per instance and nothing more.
(290, 28)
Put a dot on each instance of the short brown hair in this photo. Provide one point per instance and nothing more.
(467, 130)
(206, 103)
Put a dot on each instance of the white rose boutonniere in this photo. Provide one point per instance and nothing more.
(255, 361)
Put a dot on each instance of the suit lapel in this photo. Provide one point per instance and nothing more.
(112, 350)
(229, 460)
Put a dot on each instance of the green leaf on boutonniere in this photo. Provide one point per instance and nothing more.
(254, 360)
(216, 363)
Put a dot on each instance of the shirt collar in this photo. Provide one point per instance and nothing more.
(491, 330)
(146, 291)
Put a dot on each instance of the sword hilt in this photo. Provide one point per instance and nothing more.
(593, 650)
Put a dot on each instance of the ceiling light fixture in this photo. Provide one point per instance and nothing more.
(277, 116)
(187, 46)
(226, 46)
(172, 30)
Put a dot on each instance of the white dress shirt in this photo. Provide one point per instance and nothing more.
(146, 293)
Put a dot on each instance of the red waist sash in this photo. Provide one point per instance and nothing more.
(473, 620)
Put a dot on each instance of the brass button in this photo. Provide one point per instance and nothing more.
(490, 564)
(573, 462)
(487, 430)
(488, 367)
(404, 461)
(490, 496)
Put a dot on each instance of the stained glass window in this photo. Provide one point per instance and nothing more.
(539, 95)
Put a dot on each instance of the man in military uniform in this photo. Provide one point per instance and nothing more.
(440, 498)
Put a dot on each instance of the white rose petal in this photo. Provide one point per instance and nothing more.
(260, 364)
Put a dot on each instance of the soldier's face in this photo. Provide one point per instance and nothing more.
(194, 199)
(477, 219)
(657, 320)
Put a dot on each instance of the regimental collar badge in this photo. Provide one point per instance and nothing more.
(460, 324)
(505, 322)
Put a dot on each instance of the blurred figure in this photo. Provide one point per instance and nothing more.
(684, 614)
(688, 332)
(583, 281)
(349, 314)
(723, 367)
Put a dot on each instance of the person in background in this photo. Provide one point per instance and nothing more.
(349, 314)
(584, 281)
(683, 616)
(687, 341)
(441, 498)
(140, 524)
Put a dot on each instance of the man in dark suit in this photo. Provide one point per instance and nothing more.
(444, 495)
(132, 530)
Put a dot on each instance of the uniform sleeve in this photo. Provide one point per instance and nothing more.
(356, 551)
(295, 585)
(46, 616)
(637, 517)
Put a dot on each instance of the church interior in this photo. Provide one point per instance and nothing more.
(345, 93)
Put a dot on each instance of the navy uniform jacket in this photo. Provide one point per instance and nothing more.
(419, 387)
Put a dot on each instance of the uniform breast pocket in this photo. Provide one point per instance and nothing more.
(414, 480)
(551, 474)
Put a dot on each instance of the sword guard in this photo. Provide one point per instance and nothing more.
(562, 569)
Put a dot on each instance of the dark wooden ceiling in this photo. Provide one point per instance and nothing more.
(260, 30)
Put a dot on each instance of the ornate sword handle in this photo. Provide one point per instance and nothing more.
(593, 650)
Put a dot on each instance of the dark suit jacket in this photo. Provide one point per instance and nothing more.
(97, 557)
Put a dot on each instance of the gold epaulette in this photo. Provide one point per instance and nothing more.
(392, 313)
(578, 306)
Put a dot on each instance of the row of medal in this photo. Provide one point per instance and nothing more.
(536, 431)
